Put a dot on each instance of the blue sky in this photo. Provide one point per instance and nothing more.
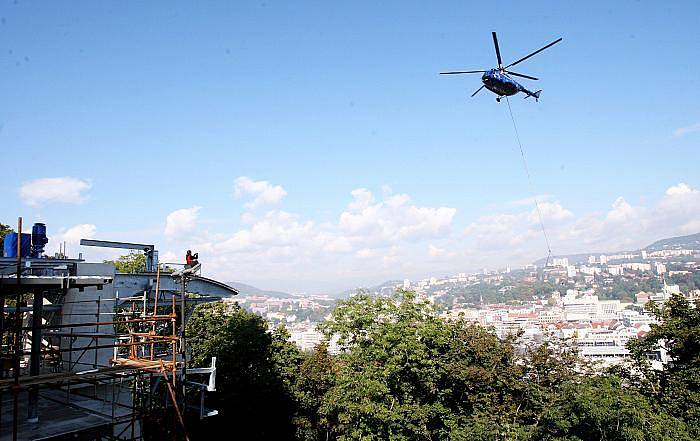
(145, 109)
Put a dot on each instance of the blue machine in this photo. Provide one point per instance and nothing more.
(498, 80)
(10, 245)
(39, 239)
(32, 244)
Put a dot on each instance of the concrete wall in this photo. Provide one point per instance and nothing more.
(82, 307)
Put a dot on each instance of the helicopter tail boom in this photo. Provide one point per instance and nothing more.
(535, 95)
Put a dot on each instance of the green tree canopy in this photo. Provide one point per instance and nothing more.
(677, 386)
(4, 229)
(130, 263)
(253, 372)
(406, 373)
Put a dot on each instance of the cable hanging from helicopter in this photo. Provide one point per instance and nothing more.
(498, 80)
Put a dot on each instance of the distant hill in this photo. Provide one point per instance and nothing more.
(248, 290)
(691, 241)
(386, 286)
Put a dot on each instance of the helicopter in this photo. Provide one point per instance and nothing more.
(498, 80)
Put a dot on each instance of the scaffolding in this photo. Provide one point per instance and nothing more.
(79, 363)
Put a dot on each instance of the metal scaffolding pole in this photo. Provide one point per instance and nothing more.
(35, 356)
(18, 335)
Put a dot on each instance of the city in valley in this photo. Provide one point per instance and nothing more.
(595, 302)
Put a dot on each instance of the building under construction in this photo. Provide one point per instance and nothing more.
(88, 353)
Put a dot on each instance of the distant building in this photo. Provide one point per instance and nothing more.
(608, 309)
(579, 308)
(605, 345)
(632, 318)
(306, 339)
(642, 297)
(615, 270)
(562, 262)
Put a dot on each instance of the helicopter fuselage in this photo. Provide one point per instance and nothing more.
(500, 83)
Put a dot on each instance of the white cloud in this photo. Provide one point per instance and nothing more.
(504, 237)
(371, 237)
(66, 190)
(393, 219)
(366, 253)
(388, 236)
(621, 211)
(262, 192)
(680, 190)
(530, 200)
(71, 236)
(552, 212)
(361, 199)
(181, 221)
(682, 131)
(275, 229)
(440, 254)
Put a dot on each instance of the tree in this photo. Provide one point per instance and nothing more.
(601, 408)
(130, 263)
(4, 230)
(405, 373)
(254, 395)
(316, 376)
(677, 386)
(409, 375)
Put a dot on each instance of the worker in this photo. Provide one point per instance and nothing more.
(191, 259)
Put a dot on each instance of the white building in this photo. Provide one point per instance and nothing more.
(578, 308)
(306, 339)
(562, 262)
(608, 309)
(606, 345)
(632, 318)
(615, 270)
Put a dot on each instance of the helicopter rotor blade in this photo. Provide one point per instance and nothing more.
(520, 75)
(477, 91)
(534, 53)
(462, 72)
(498, 51)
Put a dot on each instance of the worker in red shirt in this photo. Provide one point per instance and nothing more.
(191, 259)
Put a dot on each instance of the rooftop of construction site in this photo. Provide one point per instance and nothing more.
(92, 353)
